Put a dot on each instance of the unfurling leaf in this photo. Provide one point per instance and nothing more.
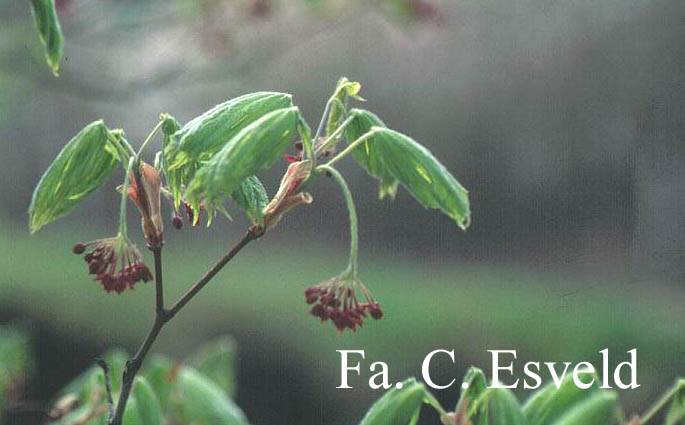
(82, 166)
(344, 89)
(49, 30)
(599, 409)
(366, 154)
(288, 195)
(251, 197)
(207, 134)
(422, 174)
(549, 403)
(476, 385)
(257, 146)
(216, 360)
(196, 399)
(398, 406)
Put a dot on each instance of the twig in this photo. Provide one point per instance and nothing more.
(251, 235)
(108, 388)
(163, 315)
(159, 289)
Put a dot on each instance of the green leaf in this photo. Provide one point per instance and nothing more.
(16, 361)
(143, 407)
(49, 31)
(207, 134)
(503, 408)
(251, 197)
(367, 154)
(676, 412)
(476, 385)
(549, 403)
(599, 409)
(82, 166)
(398, 406)
(216, 360)
(159, 372)
(422, 174)
(256, 146)
(196, 399)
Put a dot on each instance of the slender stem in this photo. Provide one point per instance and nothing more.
(108, 388)
(351, 147)
(335, 134)
(354, 233)
(679, 386)
(123, 228)
(149, 138)
(251, 235)
(163, 316)
(323, 119)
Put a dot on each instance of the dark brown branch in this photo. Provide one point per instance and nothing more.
(251, 235)
(162, 316)
(159, 289)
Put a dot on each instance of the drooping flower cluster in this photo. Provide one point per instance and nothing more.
(116, 263)
(336, 299)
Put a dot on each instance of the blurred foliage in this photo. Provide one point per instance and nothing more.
(16, 363)
(164, 392)
(438, 305)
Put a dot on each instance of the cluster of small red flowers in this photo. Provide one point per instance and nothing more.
(104, 259)
(339, 303)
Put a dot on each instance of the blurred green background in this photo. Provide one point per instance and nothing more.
(563, 119)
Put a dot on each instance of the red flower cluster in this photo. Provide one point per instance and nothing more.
(115, 262)
(336, 299)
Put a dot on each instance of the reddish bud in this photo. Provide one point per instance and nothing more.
(177, 222)
(78, 249)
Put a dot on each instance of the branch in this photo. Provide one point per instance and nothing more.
(159, 289)
(108, 388)
(163, 315)
(252, 234)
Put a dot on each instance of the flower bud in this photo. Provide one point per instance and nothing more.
(145, 191)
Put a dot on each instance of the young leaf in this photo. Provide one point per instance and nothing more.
(82, 166)
(49, 31)
(676, 412)
(366, 154)
(216, 360)
(177, 178)
(143, 406)
(503, 408)
(256, 146)
(398, 406)
(422, 174)
(599, 409)
(159, 372)
(251, 197)
(476, 386)
(549, 403)
(344, 89)
(207, 134)
(196, 399)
